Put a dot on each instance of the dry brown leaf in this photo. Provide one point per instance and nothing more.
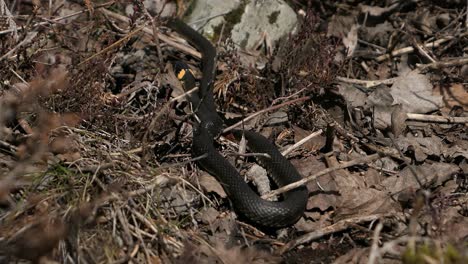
(453, 95)
(208, 215)
(354, 256)
(430, 175)
(324, 193)
(314, 144)
(210, 184)
(413, 91)
(398, 120)
(422, 146)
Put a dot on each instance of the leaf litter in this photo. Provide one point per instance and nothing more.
(95, 157)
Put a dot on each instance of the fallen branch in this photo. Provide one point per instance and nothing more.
(366, 83)
(187, 49)
(309, 178)
(337, 227)
(443, 64)
(301, 142)
(406, 50)
(3, 32)
(305, 98)
(29, 37)
(438, 119)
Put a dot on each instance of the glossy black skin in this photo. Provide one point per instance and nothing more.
(246, 202)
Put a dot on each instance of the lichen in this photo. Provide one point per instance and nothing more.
(273, 17)
(231, 19)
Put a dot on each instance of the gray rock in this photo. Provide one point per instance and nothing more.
(274, 17)
(155, 7)
(209, 14)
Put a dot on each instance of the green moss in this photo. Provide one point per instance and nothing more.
(190, 9)
(420, 254)
(273, 17)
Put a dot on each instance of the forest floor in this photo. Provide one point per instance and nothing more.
(369, 103)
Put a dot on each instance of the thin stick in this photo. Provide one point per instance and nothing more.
(301, 142)
(3, 32)
(337, 227)
(366, 83)
(374, 254)
(309, 178)
(113, 45)
(29, 37)
(187, 49)
(443, 64)
(406, 50)
(305, 98)
(438, 119)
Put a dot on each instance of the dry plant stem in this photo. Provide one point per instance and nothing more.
(162, 37)
(366, 83)
(438, 119)
(155, 37)
(29, 37)
(305, 98)
(3, 32)
(301, 142)
(337, 227)
(391, 152)
(443, 64)
(309, 178)
(144, 220)
(374, 253)
(8, 147)
(113, 45)
(422, 51)
(433, 44)
(330, 137)
(389, 247)
(162, 111)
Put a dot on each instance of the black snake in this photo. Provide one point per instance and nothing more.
(246, 202)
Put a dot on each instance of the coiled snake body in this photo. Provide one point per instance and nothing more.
(246, 202)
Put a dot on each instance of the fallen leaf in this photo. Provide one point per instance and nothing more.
(453, 95)
(413, 91)
(430, 175)
(208, 215)
(210, 184)
(314, 144)
(423, 146)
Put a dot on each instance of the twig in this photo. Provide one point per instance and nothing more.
(29, 37)
(337, 227)
(305, 98)
(9, 18)
(406, 50)
(7, 146)
(113, 45)
(309, 178)
(423, 52)
(438, 119)
(301, 142)
(374, 253)
(187, 49)
(208, 18)
(366, 83)
(443, 64)
(3, 32)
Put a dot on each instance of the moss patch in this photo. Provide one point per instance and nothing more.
(273, 17)
(232, 18)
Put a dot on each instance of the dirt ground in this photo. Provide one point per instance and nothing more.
(368, 100)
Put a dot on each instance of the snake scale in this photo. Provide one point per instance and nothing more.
(246, 202)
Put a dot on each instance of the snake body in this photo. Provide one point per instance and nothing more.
(246, 202)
